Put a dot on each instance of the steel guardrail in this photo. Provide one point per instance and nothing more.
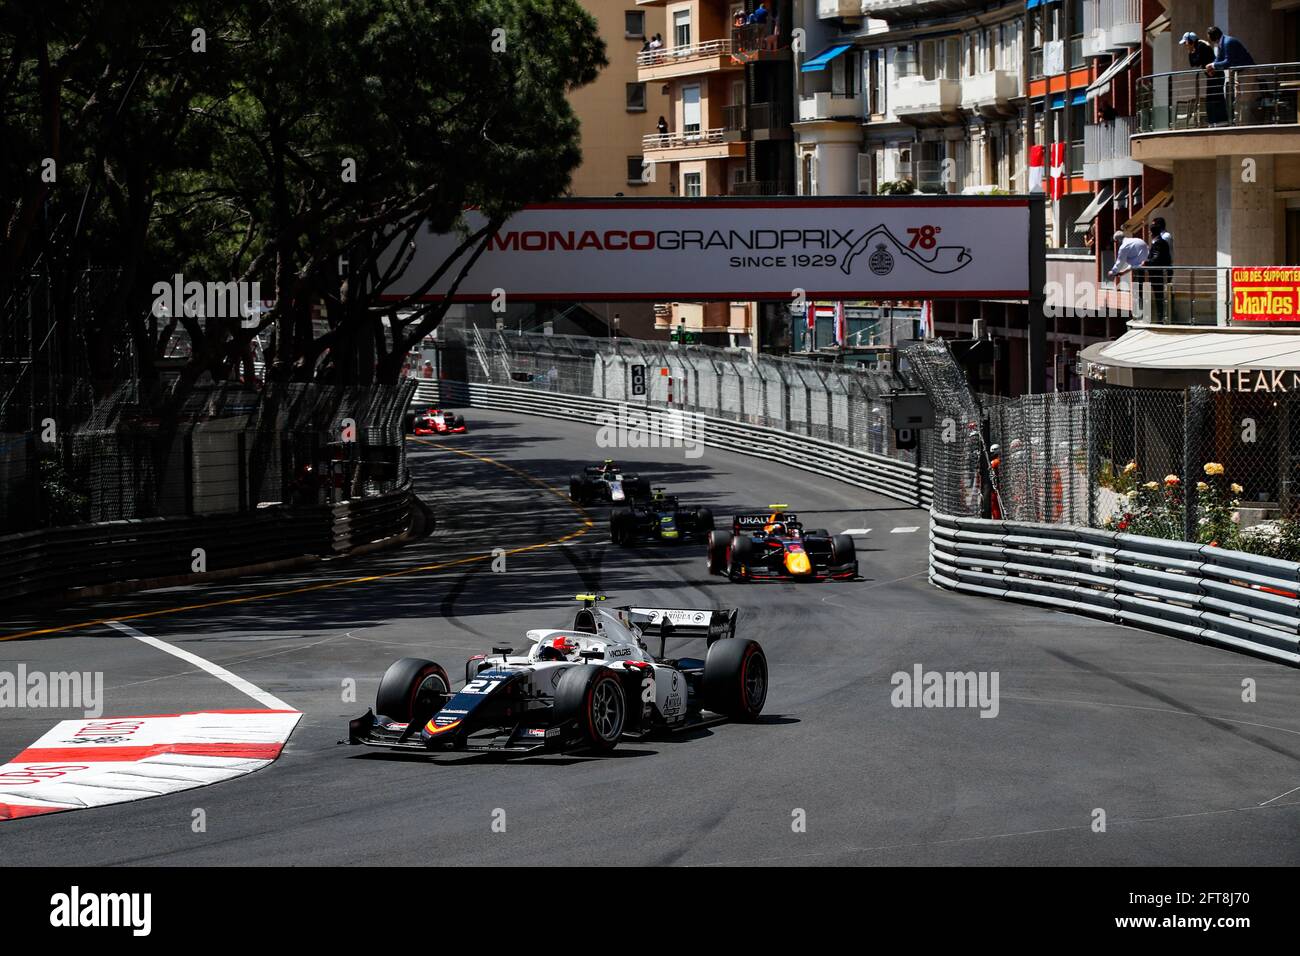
(1201, 593)
(53, 561)
(887, 476)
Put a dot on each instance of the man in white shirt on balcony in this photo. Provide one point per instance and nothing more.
(1130, 254)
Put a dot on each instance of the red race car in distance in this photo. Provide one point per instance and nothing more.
(435, 421)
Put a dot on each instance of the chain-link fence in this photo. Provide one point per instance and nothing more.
(845, 405)
(144, 451)
(1191, 464)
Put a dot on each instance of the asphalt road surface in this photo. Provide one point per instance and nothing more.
(1151, 731)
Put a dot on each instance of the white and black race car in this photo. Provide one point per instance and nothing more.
(578, 688)
(609, 484)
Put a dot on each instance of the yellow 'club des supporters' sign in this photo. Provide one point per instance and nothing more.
(1266, 294)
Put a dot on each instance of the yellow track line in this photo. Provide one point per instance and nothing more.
(306, 589)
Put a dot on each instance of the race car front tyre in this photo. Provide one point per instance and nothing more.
(577, 489)
(735, 678)
(739, 556)
(412, 685)
(719, 542)
(593, 697)
(620, 526)
(843, 550)
(408, 422)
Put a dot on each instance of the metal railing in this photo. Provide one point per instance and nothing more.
(1105, 14)
(679, 54)
(769, 115)
(1197, 592)
(1181, 295)
(762, 187)
(757, 38)
(704, 137)
(1107, 143)
(1244, 96)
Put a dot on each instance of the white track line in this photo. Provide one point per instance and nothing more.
(907, 530)
(1279, 797)
(216, 670)
(856, 531)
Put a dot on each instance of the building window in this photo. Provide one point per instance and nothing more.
(639, 172)
(636, 97)
(691, 110)
(634, 24)
(691, 185)
(682, 28)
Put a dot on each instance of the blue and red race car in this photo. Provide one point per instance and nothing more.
(772, 544)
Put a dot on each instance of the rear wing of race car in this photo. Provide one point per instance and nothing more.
(756, 520)
(665, 622)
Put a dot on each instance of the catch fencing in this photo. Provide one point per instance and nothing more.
(807, 414)
(144, 452)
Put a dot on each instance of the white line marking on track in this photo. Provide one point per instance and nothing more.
(907, 530)
(216, 670)
(1279, 797)
(858, 531)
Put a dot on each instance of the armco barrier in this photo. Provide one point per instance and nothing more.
(55, 561)
(1228, 598)
(879, 473)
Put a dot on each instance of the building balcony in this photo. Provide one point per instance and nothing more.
(990, 94)
(1106, 153)
(1189, 115)
(707, 57)
(912, 9)
(680, 147)
(761, 121)
(838, 9)
(1110, 26)
(830, 106)
(762, 187)
(925, 102)
(759, 41)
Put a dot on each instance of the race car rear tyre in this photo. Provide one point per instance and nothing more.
(593, 696)
(703, 519)
(739, 555)
(719, 542)
(577, 489)
(408, 422)
(843, 550)
(408, 682)
(735, 678)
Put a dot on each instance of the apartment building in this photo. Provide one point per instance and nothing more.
(1228, 149)
(724, 67)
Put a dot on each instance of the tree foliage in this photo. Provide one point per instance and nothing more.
(288, 143)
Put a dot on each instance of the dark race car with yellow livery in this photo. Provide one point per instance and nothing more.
(660, 518)
(772, 544)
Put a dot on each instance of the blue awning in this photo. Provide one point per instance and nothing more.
(1030, 4)
(1078, 99)
(819, 62)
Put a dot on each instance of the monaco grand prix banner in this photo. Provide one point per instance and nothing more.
(741, 249)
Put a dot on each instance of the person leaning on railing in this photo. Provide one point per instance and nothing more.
(1232, 55)
(1156, 269)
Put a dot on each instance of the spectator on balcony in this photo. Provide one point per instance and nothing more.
(1199, 57)
(1155, 270)
(662, 126)
(1130, 253)
(759, 15)
(1161, 227)
(656, 42)
(1231, 55)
